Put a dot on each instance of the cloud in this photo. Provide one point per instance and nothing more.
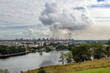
(31, 30)
(49, 15)
(98, 32)
(64, 19)
(84, 9)
(103, 17)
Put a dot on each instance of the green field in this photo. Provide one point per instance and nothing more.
(99, 70)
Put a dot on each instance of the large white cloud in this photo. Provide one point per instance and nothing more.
(65, 19)
(61, 17)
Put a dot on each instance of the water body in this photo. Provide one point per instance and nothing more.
(30, 61)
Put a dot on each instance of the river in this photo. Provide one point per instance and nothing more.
(30, 61)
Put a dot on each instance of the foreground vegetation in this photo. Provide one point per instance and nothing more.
(99, 70)
(85, 52)
(75, 67)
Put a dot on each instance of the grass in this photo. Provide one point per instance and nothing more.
(75, 67)
(100, 70)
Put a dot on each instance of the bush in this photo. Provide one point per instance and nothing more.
(41, 71)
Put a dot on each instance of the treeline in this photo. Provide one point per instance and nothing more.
(62, 47)
(10, 49)
(85, 52)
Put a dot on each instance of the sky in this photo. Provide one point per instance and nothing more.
(61, 19)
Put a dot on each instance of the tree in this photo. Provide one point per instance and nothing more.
(10, 49)
(61, 47)
(108, 42)
(48, 49)
(68, 57)
(98, 50)
(81, 53)
(62, 58)
(107, 50)
(70, 46)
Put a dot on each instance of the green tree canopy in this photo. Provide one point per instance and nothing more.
(98, 50)
(81, 53)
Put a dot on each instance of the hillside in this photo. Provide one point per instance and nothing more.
(75, 67)
(99, 70)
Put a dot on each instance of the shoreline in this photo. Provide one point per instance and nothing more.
(11, 55)
(18, 54)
